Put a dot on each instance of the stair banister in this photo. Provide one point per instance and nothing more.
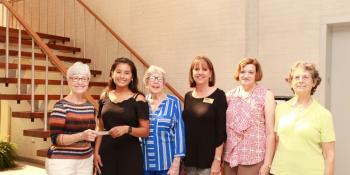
(33, 77)
(7, 44)
(132, 51)
(19, 60)
(46, 91)
(53, 58)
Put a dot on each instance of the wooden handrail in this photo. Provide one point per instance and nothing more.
(171, 88)
(53, 58)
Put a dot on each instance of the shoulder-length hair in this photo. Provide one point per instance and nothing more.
(195, 63)
(246, 61)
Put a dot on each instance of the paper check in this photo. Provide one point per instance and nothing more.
(101, 133)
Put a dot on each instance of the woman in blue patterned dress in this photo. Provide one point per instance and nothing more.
(165, 145)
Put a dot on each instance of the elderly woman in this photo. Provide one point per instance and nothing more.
(304, 128)
(205, 120)
(250, 120)
(165, 145)
(72, 124)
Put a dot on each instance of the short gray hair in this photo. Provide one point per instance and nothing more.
(78, 68)
(153, 70)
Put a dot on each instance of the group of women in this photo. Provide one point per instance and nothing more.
(240, 132)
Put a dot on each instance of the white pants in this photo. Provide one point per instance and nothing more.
(69, 166)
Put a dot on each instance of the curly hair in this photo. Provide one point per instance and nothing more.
(309, 67)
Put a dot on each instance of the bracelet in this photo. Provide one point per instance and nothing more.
(217, 158)
(129, 129)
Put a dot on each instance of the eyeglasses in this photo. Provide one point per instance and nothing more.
(154, 78)
(302, 78)
(77, 79)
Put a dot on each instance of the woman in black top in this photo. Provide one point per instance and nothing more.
(205, 120)
(124, 114)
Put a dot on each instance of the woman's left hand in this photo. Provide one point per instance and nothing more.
(215, 168)
(118, 131)
(175, 167)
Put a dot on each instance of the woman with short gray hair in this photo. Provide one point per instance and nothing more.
(72, 124)
(165, 145)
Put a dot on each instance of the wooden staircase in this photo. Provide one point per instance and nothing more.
(51, 41)
(64, 51)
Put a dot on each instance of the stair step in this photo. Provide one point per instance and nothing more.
(42, 152)
(41, 68)
(40, 133)
(52, 46)
(42, 56)
(42, 81)
(28, 114)
(14, 32)
(36, 97)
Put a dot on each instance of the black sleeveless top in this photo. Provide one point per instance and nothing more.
(127, 112)
(121, 155)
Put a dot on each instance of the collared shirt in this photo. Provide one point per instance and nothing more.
(166, 139)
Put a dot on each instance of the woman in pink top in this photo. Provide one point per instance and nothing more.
(250, 140)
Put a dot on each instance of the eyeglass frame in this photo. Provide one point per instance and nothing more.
(154, 78)
(81, 79)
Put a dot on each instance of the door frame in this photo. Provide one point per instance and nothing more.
(326, 53)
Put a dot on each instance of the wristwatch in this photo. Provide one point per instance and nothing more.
(129, 129)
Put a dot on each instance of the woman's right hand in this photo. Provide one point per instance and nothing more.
(118, 131)
(97, 163)
(88, 135)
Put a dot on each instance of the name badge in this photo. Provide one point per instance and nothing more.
(208, 100)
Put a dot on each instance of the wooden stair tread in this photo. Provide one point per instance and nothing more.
(42, 81)
(36, 97)
(52, 46)
(42, 152)
(14, 32)
(29, 114)
(42, 56)
(40, 133)
(41, 68)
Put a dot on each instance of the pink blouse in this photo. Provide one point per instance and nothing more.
(245, 127)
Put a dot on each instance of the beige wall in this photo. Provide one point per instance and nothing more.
(171, 33)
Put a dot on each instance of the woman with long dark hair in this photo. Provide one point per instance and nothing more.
(123, 116)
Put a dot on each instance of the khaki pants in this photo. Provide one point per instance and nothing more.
(69, 166)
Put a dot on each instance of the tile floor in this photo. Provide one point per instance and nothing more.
(25, 168)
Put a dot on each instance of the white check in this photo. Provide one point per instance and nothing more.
(101, 133)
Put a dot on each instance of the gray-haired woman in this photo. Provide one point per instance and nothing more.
(72, 124)
(165, 145)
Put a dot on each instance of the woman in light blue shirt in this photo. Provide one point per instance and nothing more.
(165, 145)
